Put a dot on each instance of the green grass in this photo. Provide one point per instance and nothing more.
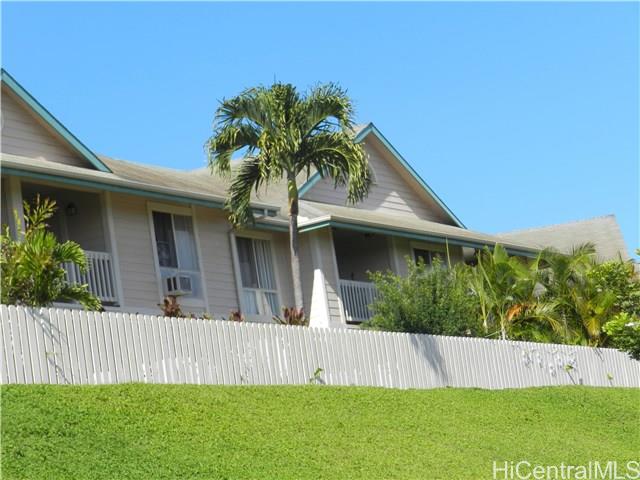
(154, 431)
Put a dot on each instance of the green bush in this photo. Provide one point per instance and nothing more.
(31, 267)
(434, 300)
(624, 333)
(620, 279)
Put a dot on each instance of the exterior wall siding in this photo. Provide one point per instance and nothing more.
(23, 134)
(137, 265)
(392, 192)
(216, 260)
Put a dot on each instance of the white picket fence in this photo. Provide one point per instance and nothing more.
(65, 346)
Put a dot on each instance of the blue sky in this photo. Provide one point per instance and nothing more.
(516, 114)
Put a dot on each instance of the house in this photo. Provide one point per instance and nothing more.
(148, 231)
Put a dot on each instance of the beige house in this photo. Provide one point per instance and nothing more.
(151, 231)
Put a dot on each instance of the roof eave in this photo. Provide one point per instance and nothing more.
(370, 227)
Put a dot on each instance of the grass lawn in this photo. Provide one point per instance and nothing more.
(177, 431)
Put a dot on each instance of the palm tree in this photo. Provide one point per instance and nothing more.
(562, 275)
(510, 295)
(32, 271)
(283, 133)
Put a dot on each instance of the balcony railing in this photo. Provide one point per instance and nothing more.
(99, 276)
(356, 298)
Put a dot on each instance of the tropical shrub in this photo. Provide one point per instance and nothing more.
(624, 333)
(292, 316)
(170, 307)
(32, 272)
(511, 298)
(236, 316)
(434, 300)
(619, 278)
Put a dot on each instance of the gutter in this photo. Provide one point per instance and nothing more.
(110, 182)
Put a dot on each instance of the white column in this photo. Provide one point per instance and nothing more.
(112, 246)
(14, 204)
(319, 310)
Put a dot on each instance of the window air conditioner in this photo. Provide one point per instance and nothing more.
(177, 285)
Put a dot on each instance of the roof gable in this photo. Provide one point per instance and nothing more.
(422, 196)
(71, 141)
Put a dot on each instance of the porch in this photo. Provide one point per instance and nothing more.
(360, 253)
(357, 254)
(80, 217)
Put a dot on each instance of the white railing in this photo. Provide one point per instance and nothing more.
(356, 298)
(100, 275)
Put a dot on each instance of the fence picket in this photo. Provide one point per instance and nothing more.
(8, 358)
(75, 347)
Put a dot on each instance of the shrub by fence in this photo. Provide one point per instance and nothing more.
(65, 346)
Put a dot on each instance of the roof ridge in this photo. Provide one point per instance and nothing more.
(561, 224)
(148, 165)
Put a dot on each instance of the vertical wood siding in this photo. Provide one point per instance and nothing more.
(56, 346)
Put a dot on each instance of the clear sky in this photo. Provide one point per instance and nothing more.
(516, 114)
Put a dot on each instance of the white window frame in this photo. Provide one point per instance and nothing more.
(200, 303)
(253, 235)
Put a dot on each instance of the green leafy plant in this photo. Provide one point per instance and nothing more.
(624, 333)
(619, 278)
(283, 135)
(510, 299)
(32, 266)
(430, 299)
(292, 316)
(317, 376)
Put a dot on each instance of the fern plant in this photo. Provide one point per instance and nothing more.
(32, 265)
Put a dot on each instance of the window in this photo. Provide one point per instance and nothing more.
(177, 255)
(259, 289)
(427, 256)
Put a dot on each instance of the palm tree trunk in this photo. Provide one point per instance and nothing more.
(293, 241)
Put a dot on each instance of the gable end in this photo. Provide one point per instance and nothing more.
(404, 166)
(50, 121)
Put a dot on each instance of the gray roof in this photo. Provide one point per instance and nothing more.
(315, 213)
(604, 232)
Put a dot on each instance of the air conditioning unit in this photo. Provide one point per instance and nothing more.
(177, 285)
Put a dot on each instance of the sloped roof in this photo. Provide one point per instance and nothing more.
(604, 232)
(318, 215)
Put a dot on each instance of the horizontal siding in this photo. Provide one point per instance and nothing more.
(137, 264)
(217, 262)
(392, 192)
(23, 134)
